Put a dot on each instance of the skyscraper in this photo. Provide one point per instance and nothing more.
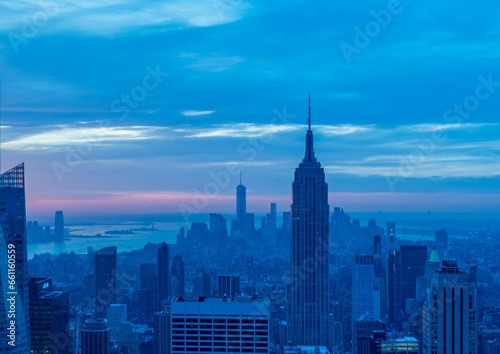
(163, 273)
(14, 258)
(241, 205)
(413, 259)
(95, 337)
(363, 284)
(49, 316)
(59, 227)
(147, 292)
(449, 319)
(308, 316)
(228, 285)
(178, 277)
(105, 279)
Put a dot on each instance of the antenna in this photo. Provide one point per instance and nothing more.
(309, 117)
(240, 177)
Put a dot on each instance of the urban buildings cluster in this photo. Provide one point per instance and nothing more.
(318, 283)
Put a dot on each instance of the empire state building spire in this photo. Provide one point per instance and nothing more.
(309, 156)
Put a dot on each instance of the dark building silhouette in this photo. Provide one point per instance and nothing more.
(228, 285)
(393, 285)
(147, 299)
(202, 284)
(218, 229)
(163, 271)
(13, 251)
(95, 337)
(59, 227)
(412, 260)
(309, 310)
(49, 316)
(241, 205)
(441, 239)
(105, 279)
(178, 277)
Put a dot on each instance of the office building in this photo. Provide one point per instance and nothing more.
(309, 322)
(116, 314)
(364, 297)
(59, 227)
(105, 279)
(241, 205)
(449, 318)
(147, 298)
(216, 325)
(178, 281)
(95, 337)
(49, 316)
(382, 342)
(228, 285)
(14, 260)
(412, 265)
(163, 265)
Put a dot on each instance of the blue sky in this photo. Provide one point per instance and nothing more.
(154, 106)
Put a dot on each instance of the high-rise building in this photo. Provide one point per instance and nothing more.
(105, 279)
(309, 311)
(228, 285)
(362, 332)
(391, 232)
(49, 317)
(449, 318)
(116, 314)
(95, 337)
(59, 226)
(394, 286)
(241, 205)
(364, 298)
(382, 342)
(162, 341)
(218, 228)
(216, 325)
(15, 332)
(202, 284)
(178, 277)
(441, 240)
(163, 264)
(412, 265)
(147, 292)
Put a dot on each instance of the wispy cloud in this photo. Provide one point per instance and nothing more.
(194, 113)
(62, 136)
(112, 17)
(214, 63)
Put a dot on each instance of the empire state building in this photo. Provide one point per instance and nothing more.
(308, 321)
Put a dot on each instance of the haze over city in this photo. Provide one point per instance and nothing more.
(134, 107)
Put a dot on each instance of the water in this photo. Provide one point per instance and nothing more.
(166, 231)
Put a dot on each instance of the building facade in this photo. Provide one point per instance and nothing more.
(449, 319)
(14, 299)
(309, 311)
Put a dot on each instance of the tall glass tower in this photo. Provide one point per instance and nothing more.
(241, 205)
(14, 298)
(309, 311)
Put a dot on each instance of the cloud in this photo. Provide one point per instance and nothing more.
(63, 136)
(215, 63)
(113, 17)
(194, 113)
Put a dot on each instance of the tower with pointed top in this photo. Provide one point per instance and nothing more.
(309, 313)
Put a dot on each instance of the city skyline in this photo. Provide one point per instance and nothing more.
(138, 116)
